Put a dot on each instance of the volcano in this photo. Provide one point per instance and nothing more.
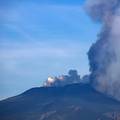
(70, 102)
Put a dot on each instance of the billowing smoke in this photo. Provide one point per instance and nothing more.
(63, 80)
(104, 55)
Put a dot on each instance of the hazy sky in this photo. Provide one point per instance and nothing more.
(39, 38)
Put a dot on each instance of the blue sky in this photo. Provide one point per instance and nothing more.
(40, 38)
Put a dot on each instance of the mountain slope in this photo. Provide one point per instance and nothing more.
(72, 102)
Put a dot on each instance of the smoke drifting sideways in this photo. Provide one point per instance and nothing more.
(63, 80)
(104, 54)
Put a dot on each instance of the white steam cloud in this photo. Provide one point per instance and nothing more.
(63, 80)
(104, 55)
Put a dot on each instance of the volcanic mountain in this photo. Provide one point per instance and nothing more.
(70, 102)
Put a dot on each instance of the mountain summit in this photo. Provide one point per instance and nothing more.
(70, 102)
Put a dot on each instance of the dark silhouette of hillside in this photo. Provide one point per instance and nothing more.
(71, 102)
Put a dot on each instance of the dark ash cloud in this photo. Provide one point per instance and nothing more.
(104, 54)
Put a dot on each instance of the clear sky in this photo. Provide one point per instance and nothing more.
(40, 38)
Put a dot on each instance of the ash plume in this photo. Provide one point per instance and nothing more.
(63, 80)
(104, 54)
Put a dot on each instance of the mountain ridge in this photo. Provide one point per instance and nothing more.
(71, 102)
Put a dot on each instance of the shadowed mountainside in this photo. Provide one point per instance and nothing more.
(71, 102)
